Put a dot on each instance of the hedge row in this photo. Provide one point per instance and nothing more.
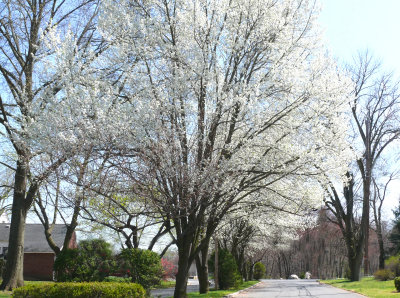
(81, 290)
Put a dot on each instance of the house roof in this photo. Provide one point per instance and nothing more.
(35, 240)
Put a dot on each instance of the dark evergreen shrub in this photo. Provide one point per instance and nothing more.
(259, 270)
(143, 266)
(228, 273)
(91, 261)
(397, 283)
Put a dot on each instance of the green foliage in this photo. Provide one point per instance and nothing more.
(259, 270)
(393, 264)
(117, 279)
(397, 283)
(228, 273)
(302, 275)
(144, 266)
(394, 235)
(81, 290)
(91, 261)
(383, 274)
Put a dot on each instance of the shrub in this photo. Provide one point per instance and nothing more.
(302, 275)
(91, 261)
(259, 270)
(228, 273)
(81, 290)
(393, 264)
(66, 265)
(144, 266)
(397, 283)
(383, 274)
(169, 269)
(117, 279)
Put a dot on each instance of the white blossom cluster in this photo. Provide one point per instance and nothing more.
(226, 101)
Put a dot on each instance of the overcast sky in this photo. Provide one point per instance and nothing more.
(357, 25)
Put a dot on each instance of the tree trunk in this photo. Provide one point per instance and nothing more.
(365, 223)
(216, 266)
(181, 277)
(202, 270)
(184, 246)
(251, 272)
(381, 250)
(13, 275)
(355, 268)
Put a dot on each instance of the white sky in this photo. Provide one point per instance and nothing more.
(357, 25)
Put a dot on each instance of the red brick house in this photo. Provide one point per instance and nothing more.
(38, 256)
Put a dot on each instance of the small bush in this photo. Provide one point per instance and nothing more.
(393, 264)
(383, 274)
(143, 266)
(228, 273)
(81, 290)
(397, 283)
(117, 279)
(259, 270)
(91, 261)
(302, 275)
(169, 269)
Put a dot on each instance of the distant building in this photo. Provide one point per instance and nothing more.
(38, 256)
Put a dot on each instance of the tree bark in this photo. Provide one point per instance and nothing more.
(355, 267)
(202, 270)
(381, 250)
(13, 276)
(182, 274)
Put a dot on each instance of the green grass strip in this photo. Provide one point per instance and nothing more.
(222, 293)
(367, 286)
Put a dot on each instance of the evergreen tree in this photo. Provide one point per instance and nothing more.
(394, 236)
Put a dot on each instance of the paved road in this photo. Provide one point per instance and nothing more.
(193, 286)
(295, 288)
(169, 292)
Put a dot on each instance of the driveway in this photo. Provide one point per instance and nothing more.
(295, 288)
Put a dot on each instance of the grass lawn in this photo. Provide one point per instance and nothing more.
(164, 285)
(222, 293)
(367, 286)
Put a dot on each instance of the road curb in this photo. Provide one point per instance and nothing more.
(238, 292)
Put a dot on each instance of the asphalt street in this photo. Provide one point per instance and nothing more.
(193, 286)
(295, 288)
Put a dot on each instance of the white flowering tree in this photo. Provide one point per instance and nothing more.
(216, 104)
(230, 99)
(25, 89)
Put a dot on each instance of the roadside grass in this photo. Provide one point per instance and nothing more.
(222, 293)
(165, 284)
(367, 286)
